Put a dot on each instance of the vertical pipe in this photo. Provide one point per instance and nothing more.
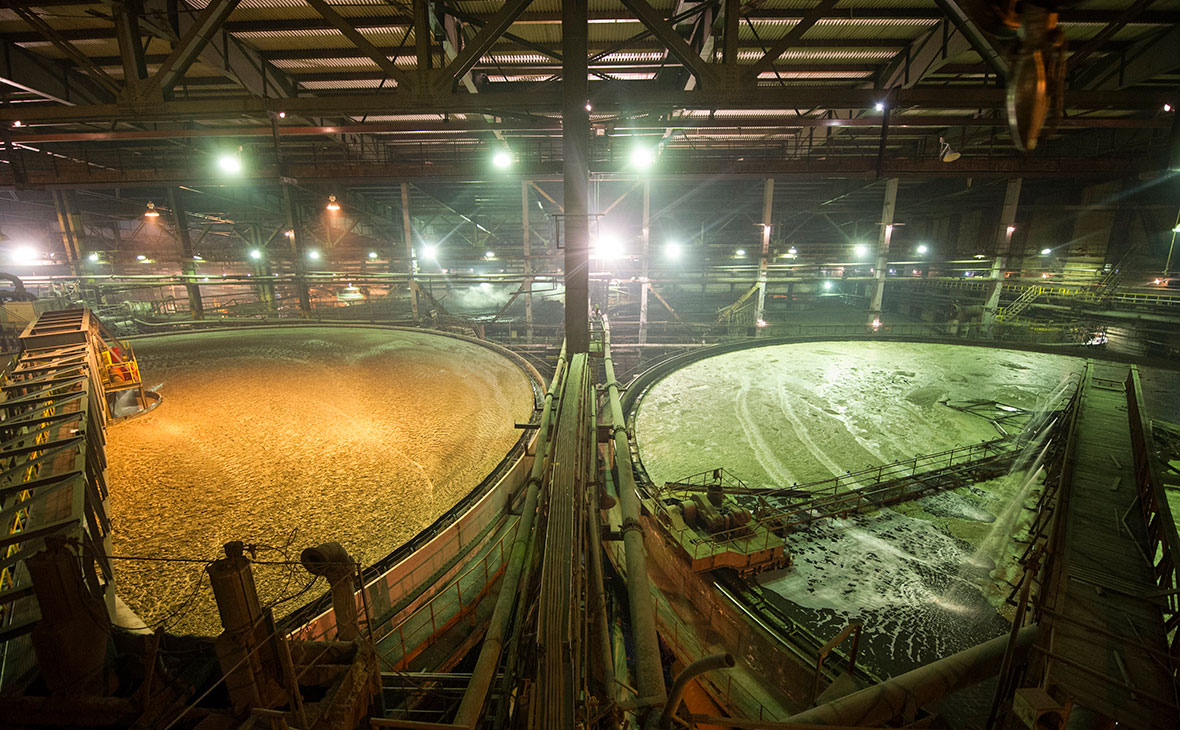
(471, 706)
(644, 262)
(887, 208)
(575, 148)
(1003, 243)
(411, 259)
(649, 669)
(764, 257)
(528, 261)
(188, 266)
(296, 238)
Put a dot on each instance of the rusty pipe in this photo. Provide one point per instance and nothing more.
(333, 562)
(471, 706)
(649, 670)
(879, 704)
(689, 673)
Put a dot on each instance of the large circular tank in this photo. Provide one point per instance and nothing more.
(925, 577)
(289, 437)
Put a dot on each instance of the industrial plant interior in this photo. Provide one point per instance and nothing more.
(601, 364)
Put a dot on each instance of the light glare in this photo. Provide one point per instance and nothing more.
(673, 251)
(255, 254)
(372, 254)
(430, 252)
(923, 248)
(313, 254)
(93, 256)
(861, 250)
(502, 159)
(606, 247)
(229, 164)
(641, 158)
(1046, 251)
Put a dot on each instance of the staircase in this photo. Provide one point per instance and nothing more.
(1018, 305)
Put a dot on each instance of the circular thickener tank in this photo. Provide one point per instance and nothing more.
(290, 437)
(924, 578)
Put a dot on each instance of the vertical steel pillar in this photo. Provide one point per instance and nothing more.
(1004, 232)
(127, 34)
(764, 257)
(411, 259)
(422, 38)
(644, 259)
(575, 146)
(188, 266)
(887, 208)
(71, 230)
(528, 261)
(294, 226)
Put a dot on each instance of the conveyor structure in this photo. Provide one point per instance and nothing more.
(56, 399)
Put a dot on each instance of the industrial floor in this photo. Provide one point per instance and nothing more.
(291, 437)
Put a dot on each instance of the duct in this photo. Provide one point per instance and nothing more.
(649, 671)
(901, 696)
(697, 668)
(471, 707)
(333, 562)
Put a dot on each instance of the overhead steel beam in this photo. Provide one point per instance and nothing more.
(153, 175)
(576, 175)
(1153, 56)
(38, 75)
(172, 19)
(780, 46)
(128, 35)
(194, 40)
(50, 34)
(652, 20)
(344, 26)
(1078, 57)
(474, 49)
(924, 56)
(609, 97)
(979, 40)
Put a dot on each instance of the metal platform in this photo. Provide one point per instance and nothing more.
(1106, 647)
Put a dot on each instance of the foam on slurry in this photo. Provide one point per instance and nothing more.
(779, 415)
(289, 437)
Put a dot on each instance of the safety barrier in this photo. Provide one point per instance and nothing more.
(1163, 545)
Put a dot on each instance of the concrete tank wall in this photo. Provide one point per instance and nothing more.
(287, 437)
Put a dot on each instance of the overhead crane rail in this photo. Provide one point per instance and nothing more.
(56, 399)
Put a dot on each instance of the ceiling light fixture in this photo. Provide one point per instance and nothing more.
(151, 211)
(332, 204)
(946, 153)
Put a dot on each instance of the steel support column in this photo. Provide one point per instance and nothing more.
(644, 262)
(188, 266)
(526, 252)
(887, 208)
(764, 257)
(294, 234)
(71, 230)
(575, 147)
(1004, 231)
(411, 259)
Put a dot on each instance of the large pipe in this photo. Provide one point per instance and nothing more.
(692, 671)
(879, 704)
(471, 707)
(649, 669)
(333, 562)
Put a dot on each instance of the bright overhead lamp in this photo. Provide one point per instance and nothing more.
(1046, 251)
(740, 252)
(642, 158)
(313, 255)
(945, 152)
(489, 254)
(879, 106)
(502, 159)
(673, 250)
(607, 246)
(372, 254)
(1167, 108)
(25, 255)
(430, 252)
(141, 257)
(793, 251)
(230, 164)
(861, 250)
(590, 108)
(827, 286)
(332, 204)
(93, 256)
(255, 254)
(151, 211)
(923, 249)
